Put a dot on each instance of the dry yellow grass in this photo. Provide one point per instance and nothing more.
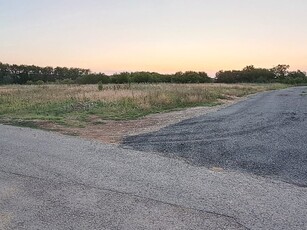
(68, 102)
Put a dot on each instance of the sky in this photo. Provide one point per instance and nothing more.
(164, 36)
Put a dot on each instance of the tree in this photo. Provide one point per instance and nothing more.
(249, 68)
(280, 71)
(295, 77)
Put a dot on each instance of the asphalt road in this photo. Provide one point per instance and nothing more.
(51, 181)
(265, 135)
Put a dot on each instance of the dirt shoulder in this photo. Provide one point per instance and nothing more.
(113, 132)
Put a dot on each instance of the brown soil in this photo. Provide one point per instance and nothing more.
(113, 132)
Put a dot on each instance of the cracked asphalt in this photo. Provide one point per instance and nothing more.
(51, 181)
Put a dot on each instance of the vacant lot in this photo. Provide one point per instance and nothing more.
(77, 106)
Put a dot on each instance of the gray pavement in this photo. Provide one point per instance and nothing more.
(51, 181)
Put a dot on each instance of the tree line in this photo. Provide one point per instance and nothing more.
(250, 74)
(25, 74)
(30, 74)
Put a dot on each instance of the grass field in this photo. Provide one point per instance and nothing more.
(74, 105)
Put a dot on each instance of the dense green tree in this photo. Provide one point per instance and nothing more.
(93, 79)
(121, 78)
(295, 77)
(250, 74)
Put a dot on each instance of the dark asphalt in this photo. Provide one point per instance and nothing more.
(264, 135)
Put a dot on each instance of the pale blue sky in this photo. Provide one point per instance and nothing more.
(154, 35)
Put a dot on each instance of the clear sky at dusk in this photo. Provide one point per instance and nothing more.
(154, 35)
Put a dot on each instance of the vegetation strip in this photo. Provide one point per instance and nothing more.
(75, 106)
(25, 74)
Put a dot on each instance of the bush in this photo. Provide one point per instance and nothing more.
(29, 82)
(100, 86)
(93, 79)
(39, 82)
(67, 81)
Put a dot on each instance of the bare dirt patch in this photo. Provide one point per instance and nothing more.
(113, 132)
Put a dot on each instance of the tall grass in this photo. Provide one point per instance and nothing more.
(63, 103)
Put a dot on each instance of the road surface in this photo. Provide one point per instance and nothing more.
(265, 135)
(51, 181)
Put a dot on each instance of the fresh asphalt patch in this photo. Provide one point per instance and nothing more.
(264, 135)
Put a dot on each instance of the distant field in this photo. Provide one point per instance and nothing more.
(74, 105)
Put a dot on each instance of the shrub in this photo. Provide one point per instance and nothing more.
(100, 86)
(29, 82)
(39, 82)
(67, 81)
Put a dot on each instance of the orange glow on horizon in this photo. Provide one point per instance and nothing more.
(146, 36)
